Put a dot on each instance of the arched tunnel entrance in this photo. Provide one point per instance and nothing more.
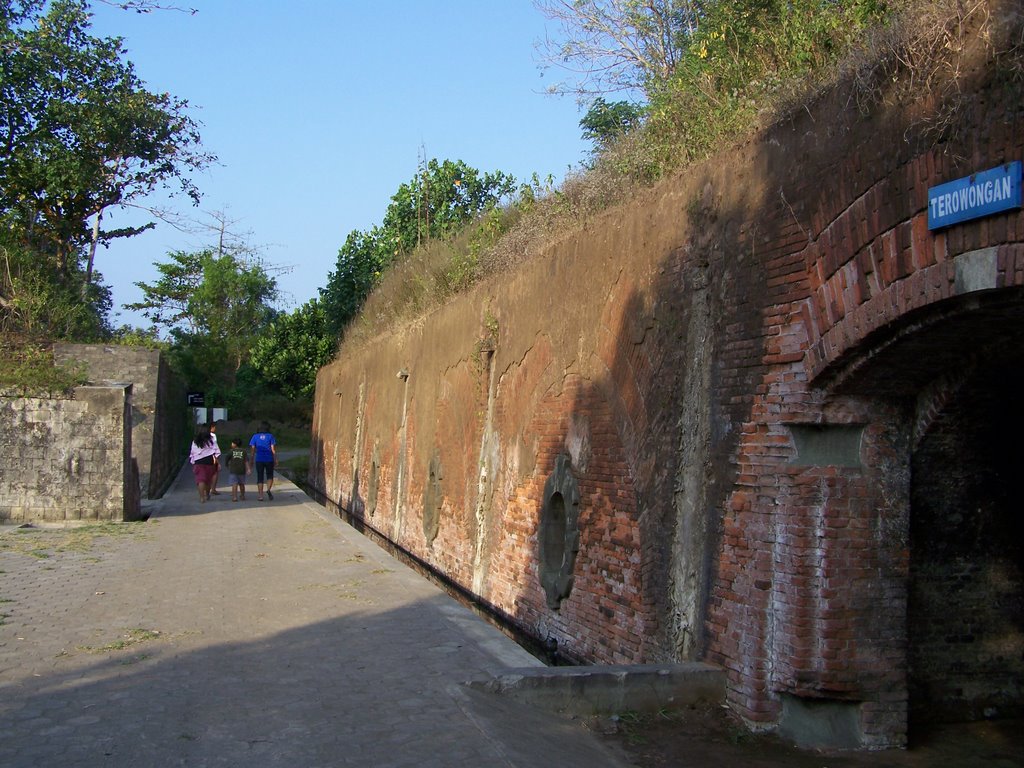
(957, 370)
(965, 617)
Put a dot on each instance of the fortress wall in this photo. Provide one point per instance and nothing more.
(160, 428)
(686, 430)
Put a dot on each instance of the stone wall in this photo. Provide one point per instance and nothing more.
(68, 459)
(160, 427)
(688, 430)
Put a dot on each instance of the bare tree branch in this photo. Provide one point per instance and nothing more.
(147, 6)
(614, 45)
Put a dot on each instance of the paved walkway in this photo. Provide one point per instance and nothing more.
(250, 634)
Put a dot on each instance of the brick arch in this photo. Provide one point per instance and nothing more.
(840, 315)
(809, 601)
(934, 401)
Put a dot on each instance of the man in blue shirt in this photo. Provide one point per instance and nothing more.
(264, 457)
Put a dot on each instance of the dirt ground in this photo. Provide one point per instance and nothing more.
(711, 736)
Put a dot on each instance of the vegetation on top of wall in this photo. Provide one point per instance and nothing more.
(28, 370)
(734, 67)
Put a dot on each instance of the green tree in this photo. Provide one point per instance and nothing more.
(743, 54)
(35, 306)
(434, 204)
(606, 121)
(706, 69)
(215, 306)
(439, 200)
(79, 133)
(360, 262)
(292, 349)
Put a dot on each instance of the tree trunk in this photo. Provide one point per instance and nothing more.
(92, 251)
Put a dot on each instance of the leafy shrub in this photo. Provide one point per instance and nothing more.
(37, 302)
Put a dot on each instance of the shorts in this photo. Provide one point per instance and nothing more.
(234, 479)
(264, 468)
(204, 473)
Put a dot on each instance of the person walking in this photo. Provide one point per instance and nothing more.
(264, 458)
(203, 456)
(238, 468)
(216, 467)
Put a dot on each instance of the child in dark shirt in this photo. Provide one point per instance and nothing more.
(238, 468)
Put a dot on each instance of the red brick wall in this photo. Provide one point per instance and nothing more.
(810, 595)
(669, 348)
(605, 616)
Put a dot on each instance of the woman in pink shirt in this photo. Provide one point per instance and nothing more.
(203, 458)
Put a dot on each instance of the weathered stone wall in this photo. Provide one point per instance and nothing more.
(738, 370)
(159, 414)
(68, 459)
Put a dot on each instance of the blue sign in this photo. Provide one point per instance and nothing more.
(981, 194)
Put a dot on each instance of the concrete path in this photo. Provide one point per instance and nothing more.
(250, 634)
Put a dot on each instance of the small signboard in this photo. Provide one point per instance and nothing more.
(972, 197)
(196, 399)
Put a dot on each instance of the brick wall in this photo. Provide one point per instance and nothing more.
(866, 307)
(68, 459)
(737, 365)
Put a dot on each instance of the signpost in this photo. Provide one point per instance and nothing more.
(972, 197)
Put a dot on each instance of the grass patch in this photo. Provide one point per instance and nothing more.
(295, 468)
(292, 436)
(43, 543)
(130, 638)
(287, 435)
(29, 371)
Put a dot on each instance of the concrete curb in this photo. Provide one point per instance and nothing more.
(606, 690)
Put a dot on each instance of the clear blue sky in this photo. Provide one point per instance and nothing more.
(318, 110)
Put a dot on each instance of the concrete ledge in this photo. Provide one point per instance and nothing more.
(605, 690)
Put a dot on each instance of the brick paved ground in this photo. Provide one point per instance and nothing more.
(255, 634)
